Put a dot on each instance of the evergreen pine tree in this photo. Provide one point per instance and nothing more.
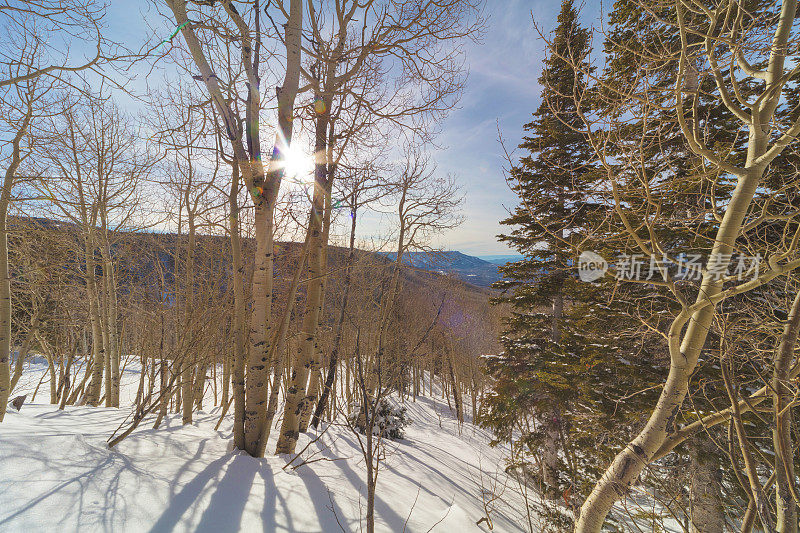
(536, 377)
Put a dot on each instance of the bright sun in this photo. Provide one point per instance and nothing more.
(298, 165)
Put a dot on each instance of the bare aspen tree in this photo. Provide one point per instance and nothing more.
(246, 147)
(397, 30)
(42, 294)
(80, 208)
(371, 443)
(757, 38)
(186, 133)
(21, 123)
(239, 303)
(71, 21)
(32, 61)
(95, 180)
(426, 204)
(362, 189)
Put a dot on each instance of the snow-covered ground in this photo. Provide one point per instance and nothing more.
(57, 474)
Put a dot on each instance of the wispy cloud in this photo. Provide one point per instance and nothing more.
(502, 90)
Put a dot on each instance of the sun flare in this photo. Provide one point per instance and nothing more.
(297, 164)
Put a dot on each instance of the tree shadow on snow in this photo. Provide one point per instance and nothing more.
(358, 481)
(228, 497)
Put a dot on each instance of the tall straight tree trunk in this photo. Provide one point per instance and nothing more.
(264, 196)
(347, 387)
(151, 378)
(104, 321)
(189, 355)
(187, 389)
(5, 274)
(67, 382)
(164, 398)
(279, 347)
(706, 511)
(200, 381)
(239, 354)
(473, 391)
(109, 321)
(107, 359)
(785, 479)
(109, 316)
(261, 323)
(113, 333)
(98, 348)
(305, 363)
(456, 391)
(5, 298)
(295, 394)
(550, 462)
(163, 395)
(227, 358)
(260, 329)
(315, 376)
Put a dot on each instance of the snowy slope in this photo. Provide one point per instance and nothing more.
(57, 474)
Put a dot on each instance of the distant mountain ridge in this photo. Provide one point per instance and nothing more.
(468, 268)
(501, 259)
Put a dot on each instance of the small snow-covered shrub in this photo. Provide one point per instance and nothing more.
(390, 420)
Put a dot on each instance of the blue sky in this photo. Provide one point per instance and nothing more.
(502, 89)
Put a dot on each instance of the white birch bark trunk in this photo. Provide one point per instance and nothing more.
(5, 290)
(298, 401)
(312, 393)
(239, 354)
(295, 393)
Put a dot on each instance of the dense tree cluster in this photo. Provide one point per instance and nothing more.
(670, 162)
